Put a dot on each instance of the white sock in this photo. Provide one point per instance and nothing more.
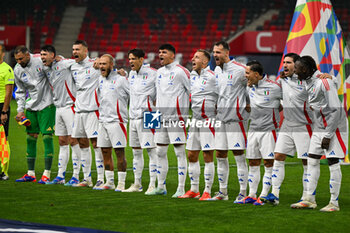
(47, 173)
(313, 170)
(137, 163)
(242, 173)
(335, 182)
(194, 171)
(277, 177)
(162, 166)
(223, 172)
(152, 154)
(100, 167)
(304, 182)
(254, 180)
(109, 176)
(209, 171)
(86, 162)
(31, 173)
(180, 153)
(266, 182)
(121, 177)
(76, 160)
(63, 157)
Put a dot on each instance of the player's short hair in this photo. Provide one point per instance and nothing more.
(205, 52)
(293, 55)
(111, 59)
(256, 67)
(3, 49)
(82, 42)
(168, 47)
(48, 48)
(21, 49)
(137, 53)
(223, 43)
(309, 63)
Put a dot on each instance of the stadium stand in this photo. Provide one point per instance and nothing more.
(118, 25)
(43, 17)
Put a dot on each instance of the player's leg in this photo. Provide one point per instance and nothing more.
(267, 179)
(284, 145)
(63, 154)
(209, 172)
(121, 165)
(85, 153)
(64, 123)
(221, 145)
(92, 126)
(63, 157)
(109, 168)
(253, 180)
(162, 140)
(337, 150)
(193, 148)
(223, 173)
(207, 142)
(152, 155)
(193, 173)
(46, 119)
(177, 137)
(147, 142)
(32, 136)
(138, 161)
(76, 161)
(237, 143)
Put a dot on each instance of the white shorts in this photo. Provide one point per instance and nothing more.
(202, 138)
(337, 146)
(112, 135)
(294, 139)
(231, 136)
(64, 121)
(85, 125)
(140, 137)
(170, 135)
(261, 145)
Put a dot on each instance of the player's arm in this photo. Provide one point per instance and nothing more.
(20, 98)
(333, 114)
(9, 79)
(331, 77)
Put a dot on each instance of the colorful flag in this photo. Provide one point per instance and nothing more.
(4, 151)
(315, 31)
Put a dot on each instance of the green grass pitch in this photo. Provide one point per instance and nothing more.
(135, 212)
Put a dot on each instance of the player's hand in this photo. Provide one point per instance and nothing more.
(121, 72)
(3, 118)
(324, 76)
(325, 143)
(96, 64)
(282, 74)
(19, 116)
(248, 108)
(58, 58)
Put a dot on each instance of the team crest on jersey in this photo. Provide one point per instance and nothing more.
(229, 81)
(266, 92)
(38, 69)
(56, 68)
(87, 71)
(171, 78)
